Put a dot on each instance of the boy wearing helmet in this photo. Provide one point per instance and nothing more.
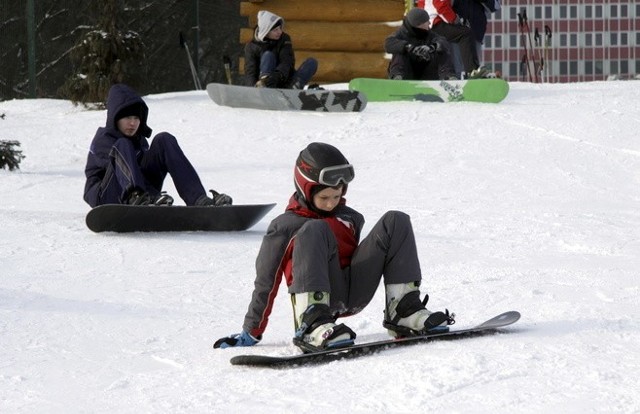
(315, 245)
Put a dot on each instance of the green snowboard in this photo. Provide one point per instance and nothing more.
(491, 90)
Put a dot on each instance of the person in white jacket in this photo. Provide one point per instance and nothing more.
(269, 59)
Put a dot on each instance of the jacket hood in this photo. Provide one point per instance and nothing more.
(121, 99)
(266, 22)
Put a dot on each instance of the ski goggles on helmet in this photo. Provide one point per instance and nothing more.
(333, 176)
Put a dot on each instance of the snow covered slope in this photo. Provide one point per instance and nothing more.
(530, 205)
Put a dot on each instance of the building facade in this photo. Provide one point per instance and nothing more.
(589, 40)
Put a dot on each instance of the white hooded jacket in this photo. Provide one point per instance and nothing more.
(266, 22)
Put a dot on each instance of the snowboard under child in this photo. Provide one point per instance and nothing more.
(315, 244)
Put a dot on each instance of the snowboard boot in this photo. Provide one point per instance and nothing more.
(137, 197)
(162, 199)
(216, 200)
(316, 329)
(315, 87)
(479, 73)
(405, 315)
(262, 82)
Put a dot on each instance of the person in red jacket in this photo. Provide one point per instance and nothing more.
(446, 23)
(315, 245)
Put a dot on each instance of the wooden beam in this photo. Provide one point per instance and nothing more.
(328, 10)
(331, 36)
(339, 67)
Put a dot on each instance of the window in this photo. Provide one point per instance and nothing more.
(573, 40)
(537, 12)
(563, 68)
(624, 66)
(614, 39)
(598, 66)
(624, 39)
(588, 39)
(497, 41)
(563, 12)
(514, 69)
(588, 12)
(548, 12)
(598, 11)
(588, 67)
(624, 10)
(514, 41)
(613, 67)
(563, 39)
(573, 67)
(599, 39)
(573, 12)
(613, 11)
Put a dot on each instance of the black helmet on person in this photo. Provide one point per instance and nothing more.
(321, 165)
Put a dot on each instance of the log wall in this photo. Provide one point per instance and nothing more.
(346, 36)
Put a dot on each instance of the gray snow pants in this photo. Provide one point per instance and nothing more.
(389, 250)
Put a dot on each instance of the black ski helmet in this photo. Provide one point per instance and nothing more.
(321, 164)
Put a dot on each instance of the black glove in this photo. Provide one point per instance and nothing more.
(437, 47)
(422, 52)
(273, 79)
(461, 21)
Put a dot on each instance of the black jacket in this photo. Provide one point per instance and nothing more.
(283, 50)
(396, 42)
(120, 97)
(475, 11)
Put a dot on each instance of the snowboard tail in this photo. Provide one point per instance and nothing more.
(473, 90)
(287, 99)
(124, 218)
(369, 348)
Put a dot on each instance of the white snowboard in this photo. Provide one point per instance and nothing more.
(287, 99)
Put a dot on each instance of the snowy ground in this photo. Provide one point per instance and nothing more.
(530, 205)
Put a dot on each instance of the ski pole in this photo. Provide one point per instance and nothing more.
(196, 80)
(227, 68)
(531, 48)
(523, 38)
(538, 41)
(547, 46)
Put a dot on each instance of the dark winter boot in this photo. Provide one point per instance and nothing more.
(162, 199)
(216, 200)
(479, 73)
(262, 82)
(406, 315)
(315, 324)
(138, 197)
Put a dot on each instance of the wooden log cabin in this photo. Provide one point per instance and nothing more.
(345, 36)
